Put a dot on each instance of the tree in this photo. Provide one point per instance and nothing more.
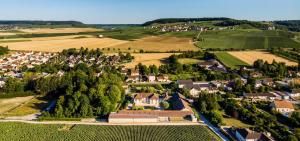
(165, 105)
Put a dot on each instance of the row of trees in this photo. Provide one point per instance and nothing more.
(274, 69)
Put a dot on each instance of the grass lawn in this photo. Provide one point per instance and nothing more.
(31, 107)
(236, 123)
(188, 61)
(229, 60)
(33, 132)
(247, 39)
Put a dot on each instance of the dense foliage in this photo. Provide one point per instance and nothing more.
(293, 25)
(176, 20)
(3, 50)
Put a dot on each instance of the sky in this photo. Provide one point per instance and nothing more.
(140, 11)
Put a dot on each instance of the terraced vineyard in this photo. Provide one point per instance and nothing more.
(29, 132)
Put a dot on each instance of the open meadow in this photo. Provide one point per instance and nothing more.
(31, 106)
(251, 56)
(148, 59)
(8, 104)
(34, 132)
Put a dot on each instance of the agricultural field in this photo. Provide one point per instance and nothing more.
(158, 44)
(32, 106)
(188, 61)
(11, 103)
(229, 60)
(58, 30)
(33, 132)
(251, 56)
(148, 59)
(247, 39)
(57, 44)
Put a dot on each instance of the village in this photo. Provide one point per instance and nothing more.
(150, 98)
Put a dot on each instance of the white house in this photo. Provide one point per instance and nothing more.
(284, 107)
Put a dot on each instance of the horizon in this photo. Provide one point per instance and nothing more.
(140, 11)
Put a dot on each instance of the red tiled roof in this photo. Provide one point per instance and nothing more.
(283, 104)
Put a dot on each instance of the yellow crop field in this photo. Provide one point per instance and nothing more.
(148, 59)
(57, 44)
(158, 43)
(58, 30)
(251, 56)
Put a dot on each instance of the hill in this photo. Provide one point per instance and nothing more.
(25, 22)
(177, 20)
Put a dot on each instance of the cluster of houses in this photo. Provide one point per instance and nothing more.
(11, 64)
(181, 110)
(8, 27)
(213, 65)
(100, 60)
(134, 76)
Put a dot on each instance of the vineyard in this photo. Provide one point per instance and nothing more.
(29, 132)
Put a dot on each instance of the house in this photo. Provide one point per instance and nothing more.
(243, 134)
(146, 99)
(207, 64)
(183, 83)
(295, 93)
(135, 72)
(163, 78)
(268, 82)
(134, 78)
(255, 74)
(151, 78)
(182, 112)
(260, 96)
(284, 107)
(282, 84)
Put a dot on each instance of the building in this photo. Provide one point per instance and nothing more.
(151, 78)
(260, 96)
(243, 134)
(183, 83)
(295, 93)
(163, 78)
(181, 112)
(284, 107)
(146, 99)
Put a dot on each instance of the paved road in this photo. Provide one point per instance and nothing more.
(213, 128)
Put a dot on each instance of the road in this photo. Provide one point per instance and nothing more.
(213, 128)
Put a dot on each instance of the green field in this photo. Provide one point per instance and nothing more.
(32, 132)
(188, 61)
(247, 39)
(229, 60)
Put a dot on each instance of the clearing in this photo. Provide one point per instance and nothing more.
(251, 56)
(229, 60)
(57, 44)
(236, 123)
(11, 103)
(58, 30)
(30, 107)
(158, 44)
(33, 132)
(148, 59)
(188, 61)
